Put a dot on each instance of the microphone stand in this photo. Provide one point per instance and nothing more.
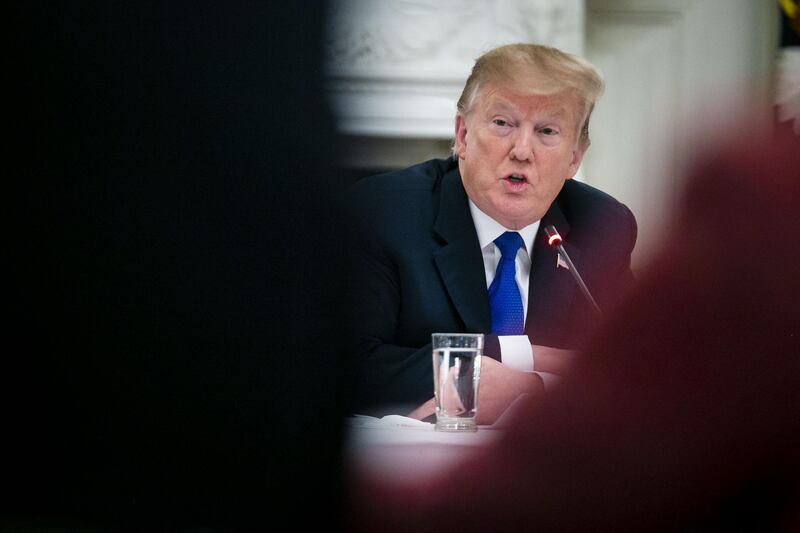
(554, 240)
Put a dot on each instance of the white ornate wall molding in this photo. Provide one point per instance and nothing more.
(397, 67)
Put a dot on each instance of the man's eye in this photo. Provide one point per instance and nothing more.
(500, 122)
(549, 131)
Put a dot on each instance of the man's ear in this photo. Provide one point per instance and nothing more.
(461, 136)
(577, 157)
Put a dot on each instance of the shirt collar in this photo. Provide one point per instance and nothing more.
(489, 229)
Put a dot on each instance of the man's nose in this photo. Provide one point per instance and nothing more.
(522, 149)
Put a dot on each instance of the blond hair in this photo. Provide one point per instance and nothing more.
(536, 69)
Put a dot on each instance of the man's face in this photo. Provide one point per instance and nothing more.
(516, 151)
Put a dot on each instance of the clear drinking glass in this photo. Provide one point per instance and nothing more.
(456, 374)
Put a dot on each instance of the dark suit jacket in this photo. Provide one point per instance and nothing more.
(420, 271)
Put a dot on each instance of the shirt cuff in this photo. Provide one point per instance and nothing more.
(516, 352)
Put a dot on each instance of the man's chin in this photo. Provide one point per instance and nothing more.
(517, 222)
(516, 217)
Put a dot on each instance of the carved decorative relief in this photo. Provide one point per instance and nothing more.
(396, 67)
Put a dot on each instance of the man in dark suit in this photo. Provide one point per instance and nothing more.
(431, 238)
(683, 414)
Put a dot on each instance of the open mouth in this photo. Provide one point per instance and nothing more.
(516, 179)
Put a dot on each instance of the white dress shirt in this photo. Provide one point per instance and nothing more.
(516, 350)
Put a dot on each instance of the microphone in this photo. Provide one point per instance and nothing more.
(554, 240)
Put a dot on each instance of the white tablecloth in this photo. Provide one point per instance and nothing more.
(403, 450)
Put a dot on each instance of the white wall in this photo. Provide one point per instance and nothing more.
(677, 72)
(397, 67)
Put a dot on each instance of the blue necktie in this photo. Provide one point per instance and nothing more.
(505, 303)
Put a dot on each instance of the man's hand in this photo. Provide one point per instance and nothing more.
(451, 399)
(553, 360)
(500, 386)
(423, 411)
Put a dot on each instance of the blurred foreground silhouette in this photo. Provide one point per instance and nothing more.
(175, 358)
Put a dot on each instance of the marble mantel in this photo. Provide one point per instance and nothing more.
(397, 67)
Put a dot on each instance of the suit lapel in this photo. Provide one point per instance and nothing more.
(459, 260)
(460, 263)
(551, 289)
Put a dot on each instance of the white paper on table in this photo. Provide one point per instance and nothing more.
(387, 421)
